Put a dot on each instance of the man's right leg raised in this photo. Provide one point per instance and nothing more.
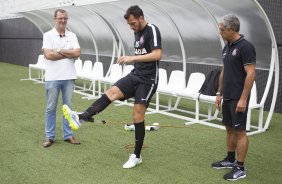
(98, 106)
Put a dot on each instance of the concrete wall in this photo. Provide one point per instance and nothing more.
(20, 41)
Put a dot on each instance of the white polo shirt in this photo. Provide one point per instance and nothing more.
(62, 69)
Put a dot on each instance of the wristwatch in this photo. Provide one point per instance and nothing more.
(217, 93)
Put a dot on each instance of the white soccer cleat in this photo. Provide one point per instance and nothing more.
(72, 118)
(129, 127)
(152, 128)
(132, 161)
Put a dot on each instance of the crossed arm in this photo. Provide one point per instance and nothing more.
(54, 55)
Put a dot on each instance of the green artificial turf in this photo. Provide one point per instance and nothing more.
(171, 155)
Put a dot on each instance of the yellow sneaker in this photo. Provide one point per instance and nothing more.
(72, 117)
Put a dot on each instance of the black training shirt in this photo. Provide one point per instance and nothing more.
(235, 56)
(145, 41)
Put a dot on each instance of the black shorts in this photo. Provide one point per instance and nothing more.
(141, 92)
(230, 118)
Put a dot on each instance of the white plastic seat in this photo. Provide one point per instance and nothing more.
(191, 91)
(254, 105)
(194, 84)
(85, 75)
(96, 75)
(40, 63)
(86, 70)
(40, 67)
(78, 66)
(98, 71)
(92, 74)
(206, 99)
(162, 78)
(176, 83)
(114, 75)
(127, 69)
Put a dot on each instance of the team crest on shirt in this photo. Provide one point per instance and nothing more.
(234, 53)
(139, 50)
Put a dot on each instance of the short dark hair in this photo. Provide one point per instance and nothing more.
(61, 11)
(134, 10)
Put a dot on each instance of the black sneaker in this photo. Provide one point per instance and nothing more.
(235, 174)
(82, 117)
(223, 164)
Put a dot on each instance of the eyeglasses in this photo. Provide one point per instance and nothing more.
(63, 18)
